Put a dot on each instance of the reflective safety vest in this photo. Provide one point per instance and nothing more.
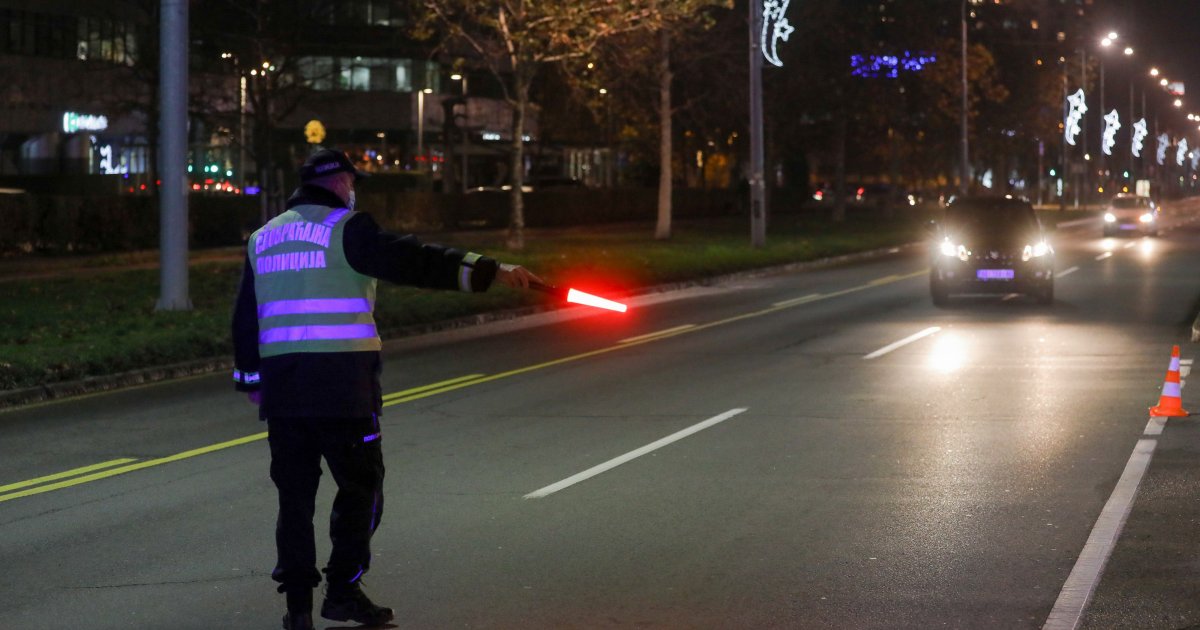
(309, 297)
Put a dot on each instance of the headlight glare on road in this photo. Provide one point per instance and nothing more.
(1110, 217)
(1147, 218)
(948, 248)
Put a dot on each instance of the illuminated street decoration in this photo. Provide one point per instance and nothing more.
(1195, 155)
(1112, 122)
(73, 122)
(1139, 135)
(1164, 141)
(1181, 151)
(1078, 107)
(889, 66)
(775, 28)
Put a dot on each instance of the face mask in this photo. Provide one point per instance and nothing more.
(350, 201)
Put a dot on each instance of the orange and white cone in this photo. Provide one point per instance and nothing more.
(1170, 404)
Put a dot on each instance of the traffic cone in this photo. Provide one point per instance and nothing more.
(1170, 404)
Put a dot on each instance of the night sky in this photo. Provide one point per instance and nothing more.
(1164, 33)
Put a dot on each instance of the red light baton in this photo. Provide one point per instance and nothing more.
(576, 296)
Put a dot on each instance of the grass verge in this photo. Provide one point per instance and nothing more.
(72, 325)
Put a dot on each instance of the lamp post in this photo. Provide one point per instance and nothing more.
(964, 182)
(466, 126)
(421, 128)
(758, 191)
(172, 157)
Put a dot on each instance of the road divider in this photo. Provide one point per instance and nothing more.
(631, 455)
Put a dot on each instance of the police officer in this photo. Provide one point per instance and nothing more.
(307, 352)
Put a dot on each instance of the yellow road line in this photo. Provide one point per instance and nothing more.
(812, 297)
(422, 388)
(66, 473)
(132, 467)
(658, 334)
(424, 391)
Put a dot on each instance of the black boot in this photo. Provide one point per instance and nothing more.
(297, 621)
(349, 603)
(299, 608)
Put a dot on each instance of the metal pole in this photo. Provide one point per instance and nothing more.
(420, 131)
(758, 192)
(1087, 168)
(242, 129)
(465, 130)
(1062, 140)
(1131, 121)
(1103, 113)
(964, 184)
(172, 156)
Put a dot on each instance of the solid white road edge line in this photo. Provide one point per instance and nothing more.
(1155, 426)
(631, 455)
(903, 342)
(1072, 601)
(1104, 255)
(1067, 271)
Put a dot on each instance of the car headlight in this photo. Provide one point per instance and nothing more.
(1110, 217)
(1147, 218)
(1037, 250)
(955, 251)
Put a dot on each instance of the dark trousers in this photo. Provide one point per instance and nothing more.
(351, 448)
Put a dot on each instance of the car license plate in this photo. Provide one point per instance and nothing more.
(1128, 226)
(994, 274)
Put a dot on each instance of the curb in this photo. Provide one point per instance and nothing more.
(17, 398)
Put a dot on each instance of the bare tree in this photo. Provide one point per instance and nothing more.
(516, 38)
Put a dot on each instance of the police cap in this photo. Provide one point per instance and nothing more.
(327, 162)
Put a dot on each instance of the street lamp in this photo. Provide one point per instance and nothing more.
(965, 147)
(421, 128)
(465, 126)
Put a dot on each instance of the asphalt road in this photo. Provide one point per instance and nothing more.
(776, 458)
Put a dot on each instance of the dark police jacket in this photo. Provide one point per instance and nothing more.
(340, 384)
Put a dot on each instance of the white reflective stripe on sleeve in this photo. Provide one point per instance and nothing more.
(465, 269)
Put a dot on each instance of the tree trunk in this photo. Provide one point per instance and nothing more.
(516, 220)
(663, 230)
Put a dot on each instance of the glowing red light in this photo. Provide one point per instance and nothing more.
(587, 299)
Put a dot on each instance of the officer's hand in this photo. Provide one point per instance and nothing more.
(515, 276)
(255, 397)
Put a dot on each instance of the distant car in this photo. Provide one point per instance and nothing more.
(1131, 214)
(990, 245)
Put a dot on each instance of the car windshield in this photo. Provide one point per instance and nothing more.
(991, 216)
(1128, 203)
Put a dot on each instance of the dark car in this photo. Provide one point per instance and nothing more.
(991, 245)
